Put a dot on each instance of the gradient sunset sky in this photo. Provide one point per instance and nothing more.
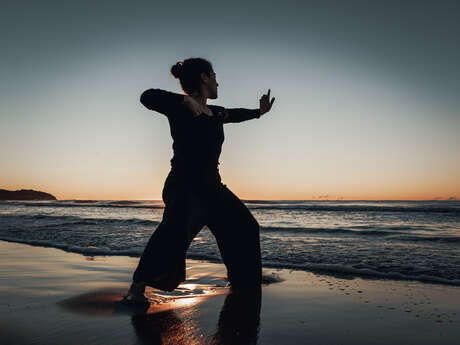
(367, 96)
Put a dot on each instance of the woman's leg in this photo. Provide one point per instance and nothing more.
(162, 264)
(237, 234)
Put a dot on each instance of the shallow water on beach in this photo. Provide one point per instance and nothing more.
(384, 239)
(48, 296)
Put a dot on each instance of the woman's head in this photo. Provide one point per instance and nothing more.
(196, 76)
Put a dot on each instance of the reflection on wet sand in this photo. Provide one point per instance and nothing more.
(174, 320)
(103, 302)
(166, 328)
(239, 318)
(238, 323)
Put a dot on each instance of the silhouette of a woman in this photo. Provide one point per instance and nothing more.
(193, 193)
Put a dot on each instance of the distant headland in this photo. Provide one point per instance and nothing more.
(25, 194)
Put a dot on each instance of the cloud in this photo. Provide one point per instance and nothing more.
(452, 198)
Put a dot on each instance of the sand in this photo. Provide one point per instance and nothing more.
(48, 296)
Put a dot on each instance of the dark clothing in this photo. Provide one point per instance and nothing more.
(162, 264)
(194, 196)
(197, 140)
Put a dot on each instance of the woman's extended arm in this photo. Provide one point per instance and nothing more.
(241, 114)
(233, 115)
(162, 101)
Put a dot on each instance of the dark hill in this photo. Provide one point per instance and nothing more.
(25, 194)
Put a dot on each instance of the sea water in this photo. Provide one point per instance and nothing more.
(417, 240)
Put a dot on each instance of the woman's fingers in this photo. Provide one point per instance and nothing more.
(265, 103)
(267, 96)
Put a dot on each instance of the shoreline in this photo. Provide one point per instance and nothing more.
(322, 269)
(49, 296)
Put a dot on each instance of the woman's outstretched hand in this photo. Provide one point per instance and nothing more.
(195, 107)
(265, 103)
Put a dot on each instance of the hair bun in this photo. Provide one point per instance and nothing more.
(176, 70)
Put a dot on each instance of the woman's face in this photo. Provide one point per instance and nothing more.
(212, 85)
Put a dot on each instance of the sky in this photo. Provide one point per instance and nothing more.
(367, 96)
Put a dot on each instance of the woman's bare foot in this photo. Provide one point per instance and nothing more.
(136, 294)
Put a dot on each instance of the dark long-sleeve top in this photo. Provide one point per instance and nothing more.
(197, 140)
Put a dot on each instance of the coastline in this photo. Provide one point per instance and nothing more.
(49, 296)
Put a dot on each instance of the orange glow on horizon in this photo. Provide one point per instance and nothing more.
(256, 191)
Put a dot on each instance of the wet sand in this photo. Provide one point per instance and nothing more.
(48, 296)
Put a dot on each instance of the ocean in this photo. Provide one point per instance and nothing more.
(413, 240)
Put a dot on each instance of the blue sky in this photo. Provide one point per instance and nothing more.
(366, 96)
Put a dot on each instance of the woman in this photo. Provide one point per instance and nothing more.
(193, 193)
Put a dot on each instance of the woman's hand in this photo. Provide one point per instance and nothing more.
(196, 107)
(265, 103)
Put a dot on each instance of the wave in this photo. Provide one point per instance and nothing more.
(120, 202)
(361, 208)
(89, 204)
(363, 272)
(440, 239)
(386, 231)
(75, 220)
(396, 233)
(423, 207)
(323, 268)
(85, 201)
(125, 202)
(88, 251)
(389, 233)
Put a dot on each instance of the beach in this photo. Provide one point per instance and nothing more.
(149, 131)
(49, 296)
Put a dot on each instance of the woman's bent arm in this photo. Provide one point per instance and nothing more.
(162, 101)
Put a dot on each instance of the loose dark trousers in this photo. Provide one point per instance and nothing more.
(189, 205)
